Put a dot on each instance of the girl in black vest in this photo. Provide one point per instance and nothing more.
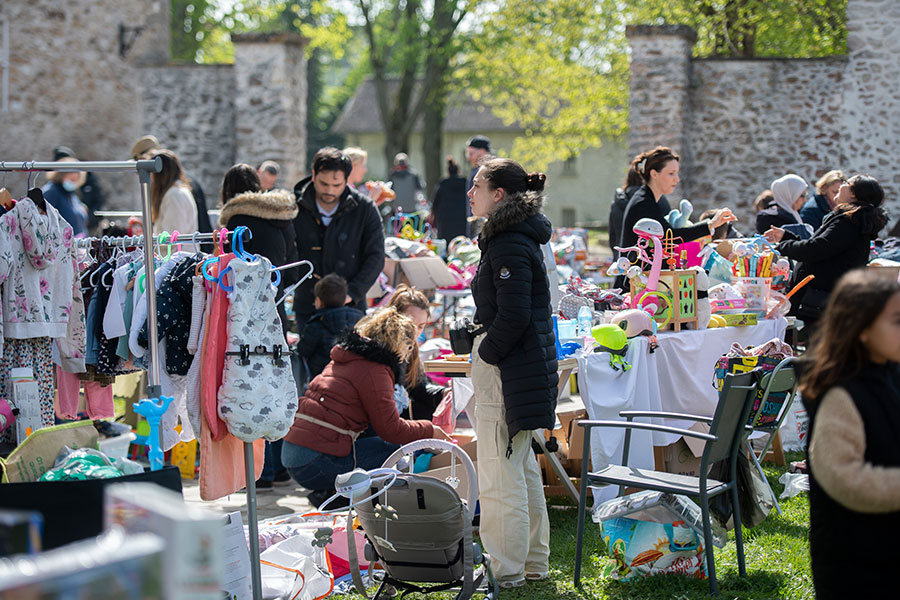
(851, 388)
(513, 367)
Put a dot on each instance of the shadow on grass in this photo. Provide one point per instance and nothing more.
(757, 584)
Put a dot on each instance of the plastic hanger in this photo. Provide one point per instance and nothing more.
(172, 241)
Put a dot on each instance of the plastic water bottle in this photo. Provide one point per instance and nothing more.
(585, 321)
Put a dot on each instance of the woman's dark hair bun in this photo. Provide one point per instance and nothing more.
(535, 182)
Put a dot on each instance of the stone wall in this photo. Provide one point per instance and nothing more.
(741, 123)
(95, 75)
(69, 83)
(270, 75)
(190, 109)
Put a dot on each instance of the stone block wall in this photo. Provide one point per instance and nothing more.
(191, 110)
(741, 123)
(270, 76)
(95, 75)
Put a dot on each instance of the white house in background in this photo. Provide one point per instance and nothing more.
(579, 190)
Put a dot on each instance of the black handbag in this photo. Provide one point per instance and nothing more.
(462, 335)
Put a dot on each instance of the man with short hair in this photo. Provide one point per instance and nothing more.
(477, 148)
(406, 183)
(338, 231)
(268, 172)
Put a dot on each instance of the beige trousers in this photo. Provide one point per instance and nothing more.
(515, 529)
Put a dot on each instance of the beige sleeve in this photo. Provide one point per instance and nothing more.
(837, 455)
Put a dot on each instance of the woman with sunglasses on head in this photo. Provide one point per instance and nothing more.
(839, 245)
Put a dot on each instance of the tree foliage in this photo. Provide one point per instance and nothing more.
(750, 28)
(559, 68)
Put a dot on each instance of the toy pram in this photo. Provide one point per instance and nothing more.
(420, 530)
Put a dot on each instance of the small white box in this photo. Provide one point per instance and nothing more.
(116, 447)
(26, 397)
(194, 557)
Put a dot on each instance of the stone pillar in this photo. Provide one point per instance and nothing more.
(270, 102)
(870, 128)
(659, 109)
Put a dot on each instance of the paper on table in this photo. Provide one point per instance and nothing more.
(237, 559)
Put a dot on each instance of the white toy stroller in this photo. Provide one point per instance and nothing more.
(420, 531)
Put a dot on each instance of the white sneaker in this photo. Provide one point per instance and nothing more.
(514, 583)
(537, 576)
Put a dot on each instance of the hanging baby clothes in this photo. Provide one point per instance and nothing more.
(98, 398)
(170, 385)
(195, 336)
(213, 350)
(39, 298)
(173, 309)
(258, 397)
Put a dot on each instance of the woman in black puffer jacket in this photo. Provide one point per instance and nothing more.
(513, 367)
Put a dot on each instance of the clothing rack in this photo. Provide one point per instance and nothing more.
(143, 169)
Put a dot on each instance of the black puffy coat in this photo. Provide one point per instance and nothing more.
(270, 217)
(836, 247)
(512, 300)
(352, 245)
(319, 335)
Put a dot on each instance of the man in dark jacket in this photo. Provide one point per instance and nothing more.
(338, 231)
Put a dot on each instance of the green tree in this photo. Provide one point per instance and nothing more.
(559, 68)
(750, 28)
(411, 44)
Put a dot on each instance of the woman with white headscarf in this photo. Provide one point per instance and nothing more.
(788, 196)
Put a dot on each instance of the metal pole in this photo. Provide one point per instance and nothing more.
(153, 390)
(252, 526)
(4, 64)
(149, 166)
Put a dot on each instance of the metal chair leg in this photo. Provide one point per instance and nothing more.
(763, 475)
(708, 545)
(738, 530)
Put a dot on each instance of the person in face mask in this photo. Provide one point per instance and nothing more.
(59, 192)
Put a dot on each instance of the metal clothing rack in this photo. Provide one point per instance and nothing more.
(144, 168)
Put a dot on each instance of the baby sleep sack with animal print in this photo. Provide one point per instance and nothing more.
(258, 396)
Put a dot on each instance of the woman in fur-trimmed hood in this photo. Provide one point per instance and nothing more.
(513, 367)
(270, 217)
(348, 418)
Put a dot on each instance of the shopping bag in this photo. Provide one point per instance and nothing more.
(743, 364)
(644, 548)
(755, 499)
(37, 453)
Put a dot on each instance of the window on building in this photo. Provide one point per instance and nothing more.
(570, 166)
(568, 217)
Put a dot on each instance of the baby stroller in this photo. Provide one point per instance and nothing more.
(420, 530)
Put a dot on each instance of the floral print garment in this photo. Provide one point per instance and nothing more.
(40, 295)
(258, 399)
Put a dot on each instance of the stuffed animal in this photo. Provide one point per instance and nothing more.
(703, 310)
(680, 217)
(723, 291)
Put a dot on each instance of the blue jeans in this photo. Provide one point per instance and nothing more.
(316, 471)
(272, 464)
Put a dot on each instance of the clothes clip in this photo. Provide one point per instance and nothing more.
(277, 352)
(245, 354)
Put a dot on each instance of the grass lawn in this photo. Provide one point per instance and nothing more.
(777, 554)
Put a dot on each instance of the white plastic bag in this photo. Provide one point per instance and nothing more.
(289, 569)
(795, 427)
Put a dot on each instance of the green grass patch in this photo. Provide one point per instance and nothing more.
(776, 551)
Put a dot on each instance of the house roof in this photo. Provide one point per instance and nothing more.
(464, 114)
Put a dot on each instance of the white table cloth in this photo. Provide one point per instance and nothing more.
(677, 377)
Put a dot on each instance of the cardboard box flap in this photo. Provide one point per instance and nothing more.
(696, 445)
(427, 272)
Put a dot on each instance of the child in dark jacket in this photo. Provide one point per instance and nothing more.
(331, 319)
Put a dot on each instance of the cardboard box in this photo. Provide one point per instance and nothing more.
(443, 460)
(576, 441)
(36, 455)
(683, 457)
(423, 272)
(740, 319)
(194, 538)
